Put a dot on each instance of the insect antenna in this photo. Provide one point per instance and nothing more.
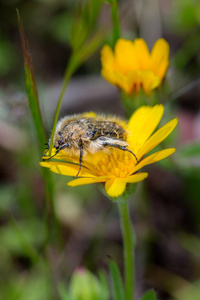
(124, 148)
(131, 153)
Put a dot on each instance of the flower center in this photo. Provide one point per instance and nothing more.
(116, 163)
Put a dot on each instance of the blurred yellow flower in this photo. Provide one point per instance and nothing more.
(132, 67)
(116, 168)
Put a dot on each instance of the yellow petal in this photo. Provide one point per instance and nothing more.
(110, 76)
(115, 187)
(83, 181)
(136, 177)
(125, 57)
(160, 58)
(142, 124)
(62, 155)
(158, 137)
(133, 82)
(149, 81)
(154, 158)
(159, 156)
(142, 54)
(90, 114)
(107, 61)
(121, 81)
(124, 82)
(66, 169)
(146, 161)
(107, 58)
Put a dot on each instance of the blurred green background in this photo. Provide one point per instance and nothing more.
(166, 207)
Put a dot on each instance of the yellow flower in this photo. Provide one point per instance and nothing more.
(131, 67)
(116, 168)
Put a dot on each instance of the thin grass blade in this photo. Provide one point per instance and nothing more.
(31, 87)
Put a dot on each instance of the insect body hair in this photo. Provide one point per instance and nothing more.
(79, 134)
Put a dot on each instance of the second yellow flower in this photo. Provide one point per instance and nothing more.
(132, 67)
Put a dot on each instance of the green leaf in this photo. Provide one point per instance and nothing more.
(149, 295)
(117, 284)
(85, 21)
(90, 47)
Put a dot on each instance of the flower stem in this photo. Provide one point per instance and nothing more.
(72, 65)
(115, 21)
(129, 243)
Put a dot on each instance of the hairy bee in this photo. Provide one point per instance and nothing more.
(82, 133)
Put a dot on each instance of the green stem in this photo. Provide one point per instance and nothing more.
(77, 57)
(129, 244)
(58, 110)
(69, 71)
(115, 21)
(51, 223)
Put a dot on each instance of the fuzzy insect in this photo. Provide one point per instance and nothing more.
(80, 133)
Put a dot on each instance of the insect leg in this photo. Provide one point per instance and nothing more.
(124, 148)
(47, 148)
(80, 160)
(57, 151)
